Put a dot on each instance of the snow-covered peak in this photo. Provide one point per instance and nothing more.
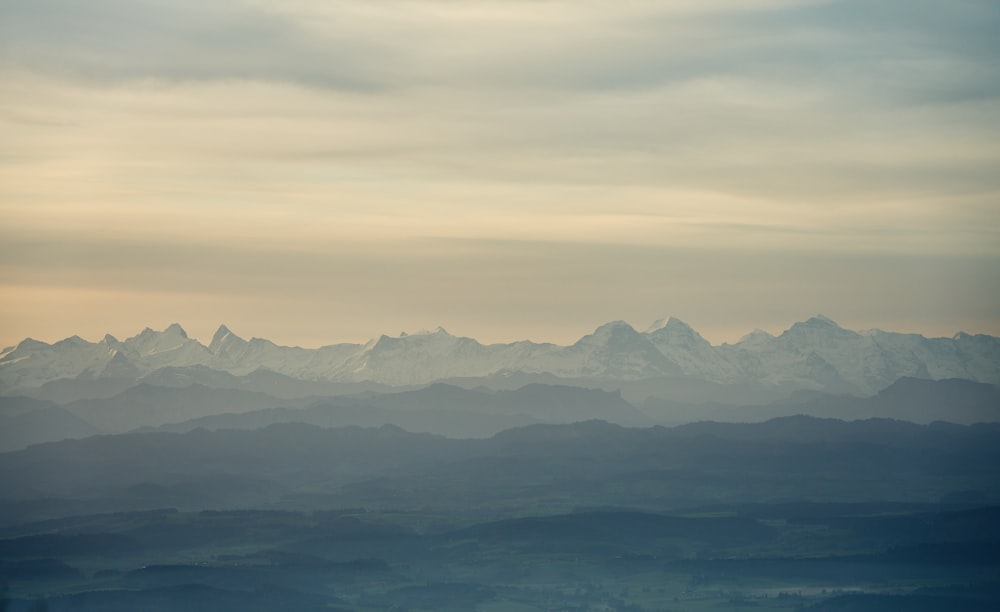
(615, 349)
(169, 347)
(24, 349)
(658, 324)
(222, 338)
(371, 344)
(614, 328)
(818, 326)
(117, 366)
(667, 321)
(221, 333)
(72, 341)
(34, 363)
(755, 338)
(174, 329)
(676, 324)
(686, 348)
(437, 331)
(30, 343)
(678, 333)
(816, 353)
(438, 338)
(819, 321)
(616, 333)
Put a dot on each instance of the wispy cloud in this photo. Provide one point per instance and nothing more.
(360, 133)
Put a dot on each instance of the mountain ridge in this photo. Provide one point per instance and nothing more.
(816, 354)
(386, 467)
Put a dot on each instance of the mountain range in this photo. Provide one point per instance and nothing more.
(816, 354)
(435, 472)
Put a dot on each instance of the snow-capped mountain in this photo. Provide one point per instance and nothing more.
(427, 356)
(813, 354)
(819, 354)
(615, 350)
(682, 345)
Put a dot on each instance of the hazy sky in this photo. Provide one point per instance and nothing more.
(314, 171)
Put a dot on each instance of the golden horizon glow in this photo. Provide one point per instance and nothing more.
(510, 170)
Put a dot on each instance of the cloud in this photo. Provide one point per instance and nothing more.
(108, 41)
(489, 44)
(244, 149)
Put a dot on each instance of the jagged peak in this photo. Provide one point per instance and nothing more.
(439, 334)
(612, 331)
(678, 333)
(757, 335)
(669, 322)
(110, 340)
(658, 324)
(381, 342)
(820, 320)
(437, 331)
(29, 343)
(175, 329)
(672, 326)
(223, 334)
(72, 341)
(677, 323)
(613, 327)
(820, 324)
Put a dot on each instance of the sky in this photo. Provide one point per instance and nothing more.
(315, 172)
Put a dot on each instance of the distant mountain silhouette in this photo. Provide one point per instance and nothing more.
(814, 354)
(592, 463)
